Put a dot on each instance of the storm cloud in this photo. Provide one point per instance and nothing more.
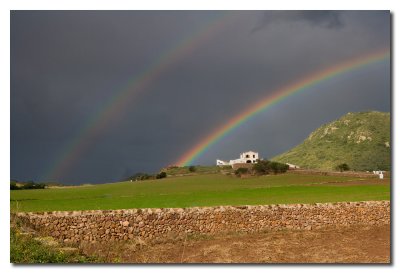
(67, 67)
(320, 18)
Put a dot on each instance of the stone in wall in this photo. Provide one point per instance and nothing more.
(146, 224)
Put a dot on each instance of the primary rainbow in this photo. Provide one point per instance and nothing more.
(277, 96)
(122, 98)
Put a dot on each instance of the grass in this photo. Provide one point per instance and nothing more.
(200, 190)
(24, 249)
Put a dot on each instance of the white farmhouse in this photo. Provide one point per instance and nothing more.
(379, 173)
(292, 166)
(246, 157)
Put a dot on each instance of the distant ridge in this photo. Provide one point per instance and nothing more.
(362, 140)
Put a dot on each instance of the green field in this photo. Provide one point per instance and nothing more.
(203, 190)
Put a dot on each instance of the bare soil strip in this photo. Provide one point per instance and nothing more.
(356, 244)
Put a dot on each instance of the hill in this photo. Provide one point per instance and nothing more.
(362, 140)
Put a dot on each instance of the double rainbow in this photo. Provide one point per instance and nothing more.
(122, 98)
(275, 97)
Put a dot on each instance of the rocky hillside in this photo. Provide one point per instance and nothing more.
(362, 140)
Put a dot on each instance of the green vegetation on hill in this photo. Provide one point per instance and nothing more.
(361, 140)
(203, 190)
(192, 170)
(176, 171)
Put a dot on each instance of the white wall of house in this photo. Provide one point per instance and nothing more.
(292, 166)
(246, 157)
(222, 163)
(249, 157)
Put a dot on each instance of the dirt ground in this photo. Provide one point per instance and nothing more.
(357, 244)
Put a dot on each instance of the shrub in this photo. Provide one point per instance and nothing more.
(192, 169)
(277, 167)
(13, 186)
(140, 176)
(241, 171)
(342, 167)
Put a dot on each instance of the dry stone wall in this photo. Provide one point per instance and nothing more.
(333, 173)
(120, 225)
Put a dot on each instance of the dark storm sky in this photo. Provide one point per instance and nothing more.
(65, 66)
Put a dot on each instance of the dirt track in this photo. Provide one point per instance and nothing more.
(362, 244)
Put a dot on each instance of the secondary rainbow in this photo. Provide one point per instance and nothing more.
(123, 97)
(275, 97)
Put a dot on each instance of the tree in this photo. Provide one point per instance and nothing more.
(265, 167)
(261, 167)
(342, 167)
(161, 175)
(192, 169)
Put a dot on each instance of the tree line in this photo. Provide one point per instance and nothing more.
(145, 176)
(263, 167)
(27, 186)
